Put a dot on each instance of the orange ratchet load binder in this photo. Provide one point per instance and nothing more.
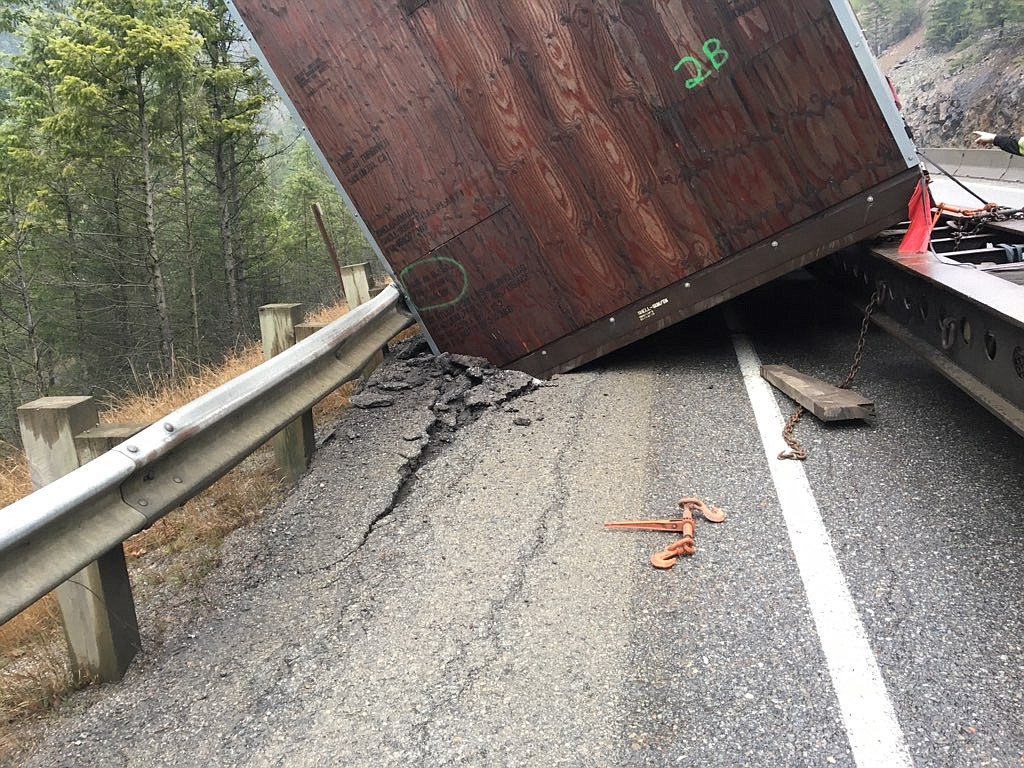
(547, 181)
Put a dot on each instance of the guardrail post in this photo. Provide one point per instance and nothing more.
(293, 445)
(355, 279)
(305, 330)
(96, 603)
(356, 283)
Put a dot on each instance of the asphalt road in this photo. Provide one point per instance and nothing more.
(944, 190)
(434, 596)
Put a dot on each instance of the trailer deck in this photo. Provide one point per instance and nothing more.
(961, 305)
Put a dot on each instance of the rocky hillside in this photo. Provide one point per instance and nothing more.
(978, 86)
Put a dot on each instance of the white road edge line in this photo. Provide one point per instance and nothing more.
(871, 726)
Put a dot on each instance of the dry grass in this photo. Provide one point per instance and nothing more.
(14, 482)
(33, 668)
(34, 672)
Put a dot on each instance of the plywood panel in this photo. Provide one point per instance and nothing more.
(502, 307)
(530, 169)
(382, 117)
(537, 99)
(784, 128)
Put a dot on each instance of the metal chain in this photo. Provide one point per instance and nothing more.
(796, 451)
(858, 356)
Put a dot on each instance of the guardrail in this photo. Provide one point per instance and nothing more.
(79, 518)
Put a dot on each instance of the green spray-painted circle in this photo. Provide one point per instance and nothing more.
(439, 259)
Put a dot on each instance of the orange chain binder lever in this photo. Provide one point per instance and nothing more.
(685, 525)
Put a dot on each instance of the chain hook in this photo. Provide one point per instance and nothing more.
(687, 545)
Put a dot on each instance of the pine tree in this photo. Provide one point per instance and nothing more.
(304, 263)
(948, 22)
(135, 189)
(990, 14)
(233, 138)
(25, 360)
(114, 59)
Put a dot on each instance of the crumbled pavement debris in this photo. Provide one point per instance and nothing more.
(416, 347)
(468, 362)
(498, 388)
(371, 400)
(464, 386)
(402, 375)
(457, 388)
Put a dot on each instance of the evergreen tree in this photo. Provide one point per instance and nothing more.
(115, 59)
(137, 219)
(989, 14)
(303, 262)
(44, 175)
(25, 360)
(234, 140)
(886, 22)
(948, 22)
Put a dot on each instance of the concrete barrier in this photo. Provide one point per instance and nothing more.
(1015, 170)
(949, 159)
(985, 164)
(989, 164)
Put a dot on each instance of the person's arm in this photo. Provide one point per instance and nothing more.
(1012, 144)
(1006, 142)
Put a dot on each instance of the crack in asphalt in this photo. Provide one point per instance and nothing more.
(469, 393)
(456, 667)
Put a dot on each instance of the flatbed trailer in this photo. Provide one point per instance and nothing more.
(960, 305)
(547, 181)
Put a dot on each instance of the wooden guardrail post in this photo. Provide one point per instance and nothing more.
(355, 279)
(96, 604)
(356, 283)
(293, 445)
(305, 330)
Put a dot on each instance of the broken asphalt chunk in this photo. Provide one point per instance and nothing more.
(371, 400)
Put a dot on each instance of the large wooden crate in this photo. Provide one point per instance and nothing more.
(549, 180)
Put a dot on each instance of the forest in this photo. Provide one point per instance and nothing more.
(154, 194)
(947, 22)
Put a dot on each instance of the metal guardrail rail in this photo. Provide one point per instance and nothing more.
(53, 533)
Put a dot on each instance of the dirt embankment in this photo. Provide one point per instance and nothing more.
(946, 96)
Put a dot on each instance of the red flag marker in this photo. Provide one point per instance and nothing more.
(919, 234)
